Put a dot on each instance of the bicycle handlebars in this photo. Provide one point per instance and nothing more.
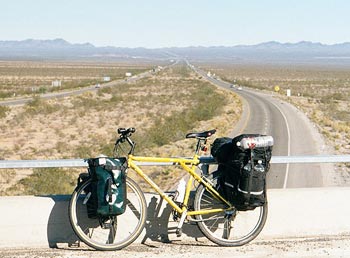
(126, 132)
(124, 135)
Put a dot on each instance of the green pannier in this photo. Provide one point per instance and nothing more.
(108, 187)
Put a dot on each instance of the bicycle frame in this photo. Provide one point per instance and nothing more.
(213, 214)
(190, 166)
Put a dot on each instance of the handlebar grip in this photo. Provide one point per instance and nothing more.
(121, 130)
(124, 131)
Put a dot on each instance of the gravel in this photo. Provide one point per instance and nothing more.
(334, 246)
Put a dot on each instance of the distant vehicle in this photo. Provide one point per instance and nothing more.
(97, 85)
(239, 88)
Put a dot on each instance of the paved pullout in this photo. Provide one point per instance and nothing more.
(301, 223)
(324, 247)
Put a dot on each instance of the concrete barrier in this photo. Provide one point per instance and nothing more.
(42, 221)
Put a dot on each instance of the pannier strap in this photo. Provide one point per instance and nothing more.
(109, 190)
(111, 167)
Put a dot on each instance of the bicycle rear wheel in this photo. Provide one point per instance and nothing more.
(232, 228)
(114, 232)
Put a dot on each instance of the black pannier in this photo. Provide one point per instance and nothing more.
(107, 191)
(221, 149)
(243, 164)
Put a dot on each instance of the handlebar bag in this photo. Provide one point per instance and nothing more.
(108, 186)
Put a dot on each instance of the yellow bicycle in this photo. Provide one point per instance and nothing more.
(216, 217)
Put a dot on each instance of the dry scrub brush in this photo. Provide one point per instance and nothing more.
(163, 108)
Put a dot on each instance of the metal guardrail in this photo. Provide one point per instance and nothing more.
(11, 164)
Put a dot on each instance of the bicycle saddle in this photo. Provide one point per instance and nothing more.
(205, 134)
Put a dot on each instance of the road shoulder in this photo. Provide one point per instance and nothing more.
(333, 246)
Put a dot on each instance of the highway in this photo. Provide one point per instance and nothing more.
(63, 94)
(293, 135)
(265, 114)
(75, 92)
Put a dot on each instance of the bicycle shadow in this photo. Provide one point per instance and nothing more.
(161, 227)
(59, 229)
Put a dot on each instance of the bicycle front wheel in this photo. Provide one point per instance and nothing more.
(230, 228)
(114, 232)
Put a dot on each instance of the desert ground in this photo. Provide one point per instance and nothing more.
(162, 107)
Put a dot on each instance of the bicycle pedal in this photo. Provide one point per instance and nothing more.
(172, 195)
(175, 216)
(179, 232)
(108, 225)
(74, 245)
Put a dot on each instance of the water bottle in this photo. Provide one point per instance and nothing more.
(252, 180)
(248, 167)
(255, 142)
(259, 167)
(180, 191)
(244, 185)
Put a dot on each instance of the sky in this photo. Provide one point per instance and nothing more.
(177, 23)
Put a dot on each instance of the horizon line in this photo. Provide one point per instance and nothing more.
(188, 46)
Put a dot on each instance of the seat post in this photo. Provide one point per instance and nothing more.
(198, 145)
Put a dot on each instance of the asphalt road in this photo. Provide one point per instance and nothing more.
(293, 135)
(63, 94)
(75, 92)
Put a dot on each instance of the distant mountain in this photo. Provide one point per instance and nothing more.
(273, 51)
(302, 46)
(61, 49)
(33, 43)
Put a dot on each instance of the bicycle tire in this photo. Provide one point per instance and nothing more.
(226, 229)
(127, 227)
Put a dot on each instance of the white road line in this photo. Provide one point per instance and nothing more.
(288, 144)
